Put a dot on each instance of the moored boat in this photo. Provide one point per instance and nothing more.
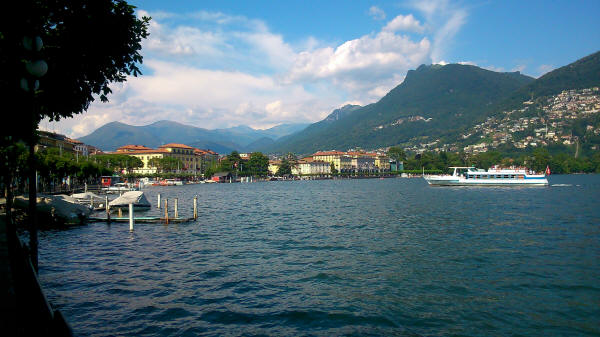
(137, 198)
(494, 176)
(171, 182)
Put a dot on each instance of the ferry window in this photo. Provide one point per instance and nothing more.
(506, 176)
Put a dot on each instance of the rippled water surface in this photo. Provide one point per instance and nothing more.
(344, 257)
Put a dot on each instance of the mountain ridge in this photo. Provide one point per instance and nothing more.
(432, 98)
(114, 134)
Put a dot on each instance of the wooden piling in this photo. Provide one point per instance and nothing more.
(120, 212)
(131, 217)
(167, 211)
(176, 211)
(195, 208)
(107, 208)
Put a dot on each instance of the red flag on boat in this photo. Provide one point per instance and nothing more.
(547, 170)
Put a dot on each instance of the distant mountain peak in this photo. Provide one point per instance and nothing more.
(342, 112)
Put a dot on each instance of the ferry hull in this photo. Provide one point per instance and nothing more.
(441, 181)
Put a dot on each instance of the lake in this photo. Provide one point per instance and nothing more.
(339, 257)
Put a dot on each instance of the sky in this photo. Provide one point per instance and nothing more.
(219, 64)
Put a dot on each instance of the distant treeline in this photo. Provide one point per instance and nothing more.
(536, 160)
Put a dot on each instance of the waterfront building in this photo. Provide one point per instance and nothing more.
(146, 157)
(182, 152)
(79, 147)
(340, 160)
(204, 159)
(274, 166)
(126, 149)
(54, 140)
(192, 159)
(382, 162)
(396, 165)
(310, 166)
(362, 161)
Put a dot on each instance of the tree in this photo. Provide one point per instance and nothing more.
(288, 162)
(397, 153)
(169, 164)
(333, 169)
(258, 164)
(541, 158)
(87, 45)
(284, 168)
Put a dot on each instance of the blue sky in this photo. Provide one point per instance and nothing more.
(217, 64)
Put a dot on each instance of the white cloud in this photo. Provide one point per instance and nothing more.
(404, 23)
(214, 70)
(443, 20)
(377, 13)
(361, 63)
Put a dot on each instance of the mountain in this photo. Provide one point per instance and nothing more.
(342, 112)
(260, 144)
(241, 138)
(282, 130)
(433, 99)
(311, 133)
(581, 74)
(111, 135)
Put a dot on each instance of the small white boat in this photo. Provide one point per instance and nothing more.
(137, 198)
(495, 176)
(118, 188)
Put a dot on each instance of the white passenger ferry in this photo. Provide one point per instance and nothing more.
(495, 176)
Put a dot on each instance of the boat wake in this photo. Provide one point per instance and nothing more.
(561, 185)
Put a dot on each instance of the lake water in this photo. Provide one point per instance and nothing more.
(339, 257)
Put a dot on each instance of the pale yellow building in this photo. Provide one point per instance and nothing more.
(184, 153)
(308, 166)
(274, 166)
(145, 155)
(382, 162)
(192, 159)
(341, 160)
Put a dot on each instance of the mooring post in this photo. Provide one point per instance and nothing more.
(107, 208)
(120, 212)
(167, 211)
(176, 212)
(195, 208)
(158, 200)
(131, 218)
(85, 187)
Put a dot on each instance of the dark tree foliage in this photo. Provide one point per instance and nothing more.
(87, 45)
(536, 159)
(258, 165)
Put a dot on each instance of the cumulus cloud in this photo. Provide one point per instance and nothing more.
(361, 62)
(404, 23)
(376, 13)
(215, 70)
(444, 20)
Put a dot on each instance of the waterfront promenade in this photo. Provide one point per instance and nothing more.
(26, 311)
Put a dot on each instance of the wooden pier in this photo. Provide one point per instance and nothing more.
(132, 219)
(147, 219)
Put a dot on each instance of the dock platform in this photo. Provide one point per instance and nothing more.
(149, 219)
